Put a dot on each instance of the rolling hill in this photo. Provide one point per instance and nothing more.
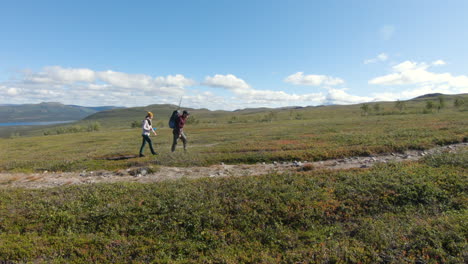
(47, 111)
(113, 117)
(163, 111)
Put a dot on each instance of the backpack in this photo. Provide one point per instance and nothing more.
(172, 120)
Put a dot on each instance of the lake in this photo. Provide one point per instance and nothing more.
(42, 123)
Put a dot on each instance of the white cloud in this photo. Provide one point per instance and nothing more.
(125, 80)
(438, 63)
(421, 81)
(380, 58)
(177, 80)
(88, 87)
(57, 74)
(229, 82)
(142, 81)
(312, 80)
(387, 32)
(250, 96)
(12, 91)
(412, 93)
(409, 72)
(200, 99)
(339, 96)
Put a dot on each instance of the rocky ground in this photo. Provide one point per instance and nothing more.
(52, 179)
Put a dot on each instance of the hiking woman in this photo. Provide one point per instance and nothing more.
(147, 128)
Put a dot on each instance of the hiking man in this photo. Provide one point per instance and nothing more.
(147, 128)
(178, 130)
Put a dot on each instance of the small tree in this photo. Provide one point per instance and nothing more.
(429, 106)
(441, 104)
(299, 116)
(365, 109)
(270, 116)
(377, 108)
(400, 105)
(95, 126)
(135, 124)
(17, 134)
(233, 120)
(459, 103)
(191, 120)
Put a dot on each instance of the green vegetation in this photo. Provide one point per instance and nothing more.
(90, 127)
(413, 212)
(392, 213)
(429, 106)
(247, 136)
(365, 109)
(459, 103)
(400, 105)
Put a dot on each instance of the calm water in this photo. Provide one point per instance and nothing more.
(35, 123)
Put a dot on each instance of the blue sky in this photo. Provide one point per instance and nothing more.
(231, 54)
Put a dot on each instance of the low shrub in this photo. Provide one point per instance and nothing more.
(94, 126)
(447, 159)
(391, 213)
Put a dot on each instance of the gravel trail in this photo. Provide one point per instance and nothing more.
(53, 179)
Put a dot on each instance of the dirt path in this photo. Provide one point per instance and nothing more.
(50, 179)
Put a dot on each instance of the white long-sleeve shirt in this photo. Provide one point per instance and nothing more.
(146, 127)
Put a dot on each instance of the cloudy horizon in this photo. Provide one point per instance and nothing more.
(225, 55)
(86, 87)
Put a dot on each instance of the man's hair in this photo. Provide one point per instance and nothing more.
(185, 112)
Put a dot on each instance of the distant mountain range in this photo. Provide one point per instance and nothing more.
(48, 111)
(428, 96)
(59, 112)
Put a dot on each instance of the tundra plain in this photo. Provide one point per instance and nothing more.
(406, 211)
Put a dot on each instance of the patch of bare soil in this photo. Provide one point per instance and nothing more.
(146, 175)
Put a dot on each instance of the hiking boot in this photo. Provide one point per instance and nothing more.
(155, 153)
(141, 155)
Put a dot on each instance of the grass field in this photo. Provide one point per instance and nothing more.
(393, 213)
(413, 212)
(309, 134)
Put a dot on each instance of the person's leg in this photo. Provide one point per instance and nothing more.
(143, 143)
(184, 140)
(150, 143)
(174, 141)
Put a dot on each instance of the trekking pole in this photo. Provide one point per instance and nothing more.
(179, 103)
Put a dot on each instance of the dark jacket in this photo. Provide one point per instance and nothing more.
(180, 122)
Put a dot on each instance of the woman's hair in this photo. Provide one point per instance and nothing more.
(150, 115)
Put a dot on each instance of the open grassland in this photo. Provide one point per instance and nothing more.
(392, 213)
(310, 134)
(413, 212)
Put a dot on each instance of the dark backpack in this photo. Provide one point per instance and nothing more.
(172, 120)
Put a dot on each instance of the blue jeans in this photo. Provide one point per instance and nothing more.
(146, 138)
